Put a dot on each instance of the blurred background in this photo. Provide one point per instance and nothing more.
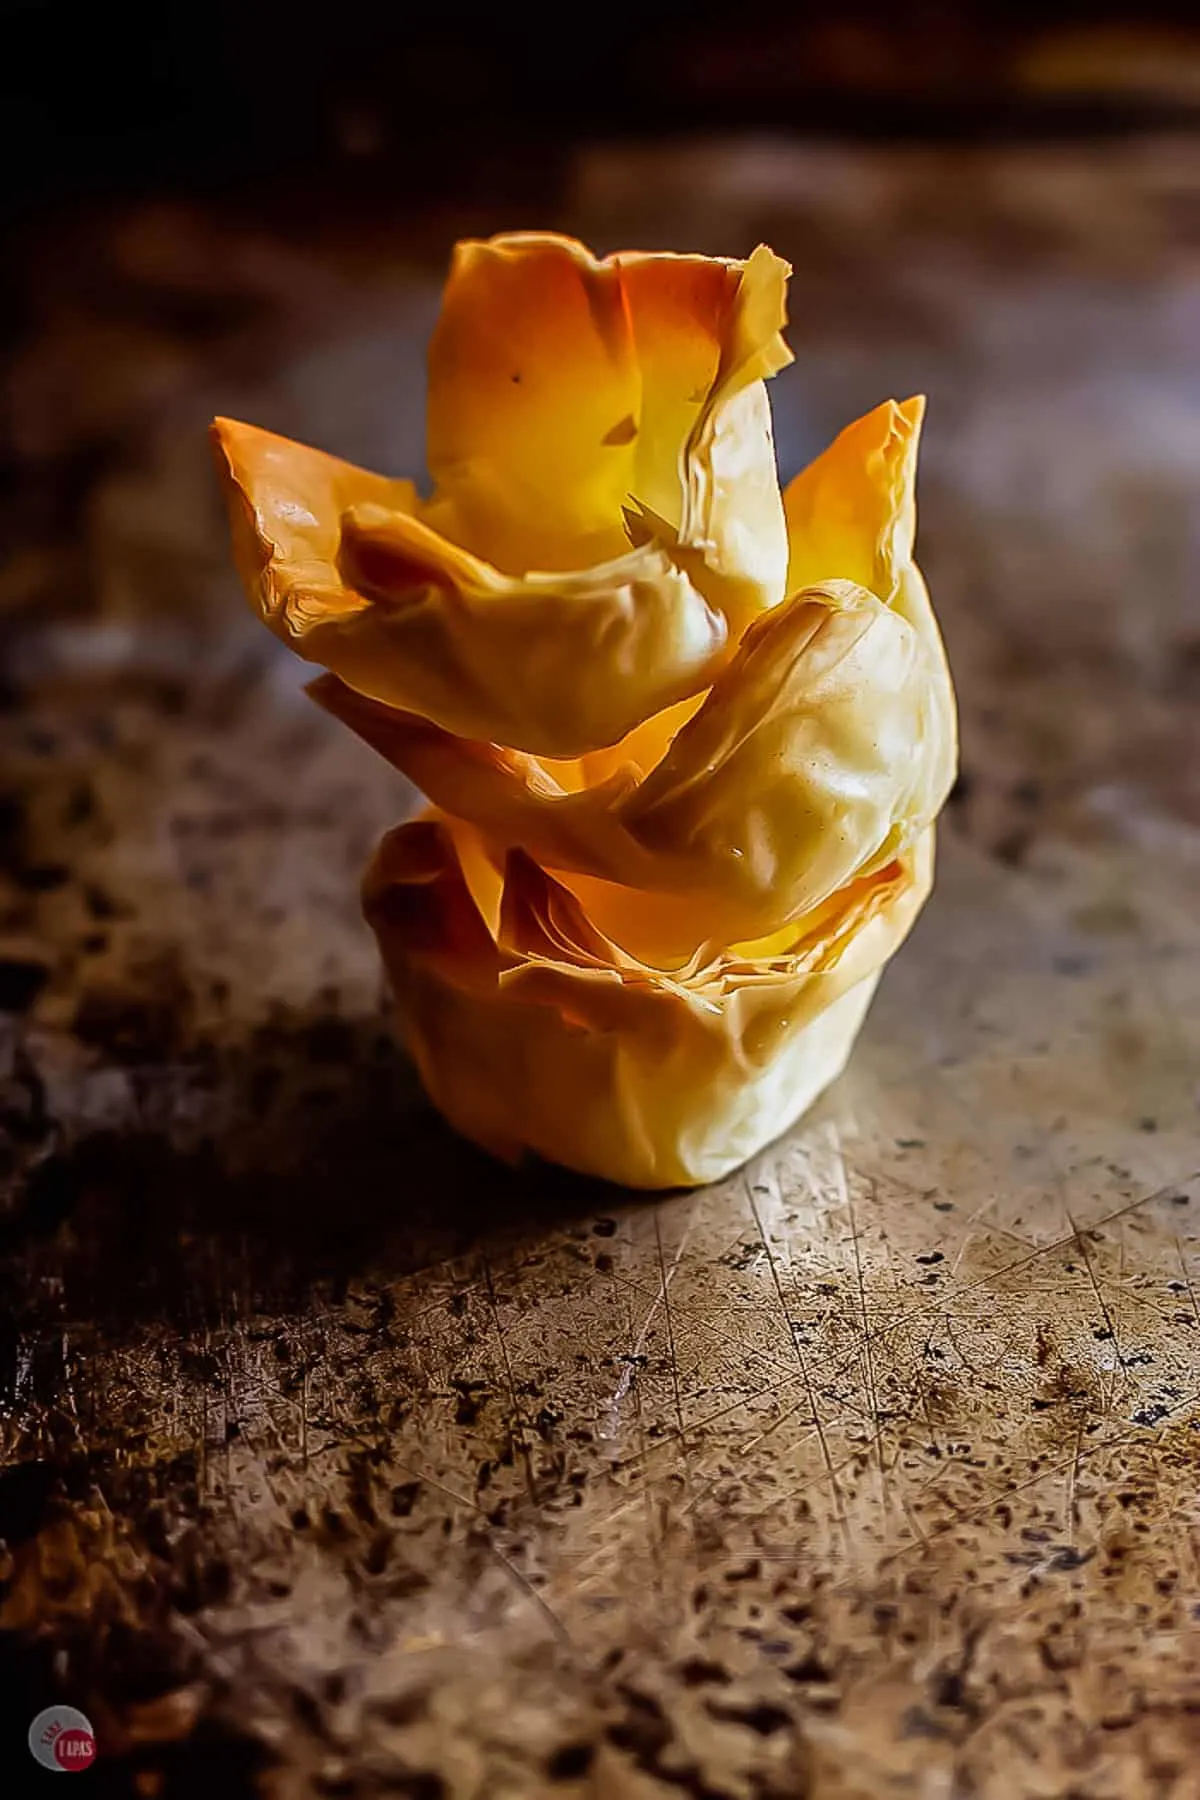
(247, 209)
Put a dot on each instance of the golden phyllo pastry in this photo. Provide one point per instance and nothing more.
(684, 737)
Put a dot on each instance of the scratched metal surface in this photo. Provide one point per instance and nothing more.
(338, 1461)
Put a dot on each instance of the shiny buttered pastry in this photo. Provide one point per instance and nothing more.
(683, 736)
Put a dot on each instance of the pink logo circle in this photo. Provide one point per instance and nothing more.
(74, 1749)
(61, 1738)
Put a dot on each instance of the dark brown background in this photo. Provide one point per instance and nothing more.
(151, 98)
(336, 1461)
